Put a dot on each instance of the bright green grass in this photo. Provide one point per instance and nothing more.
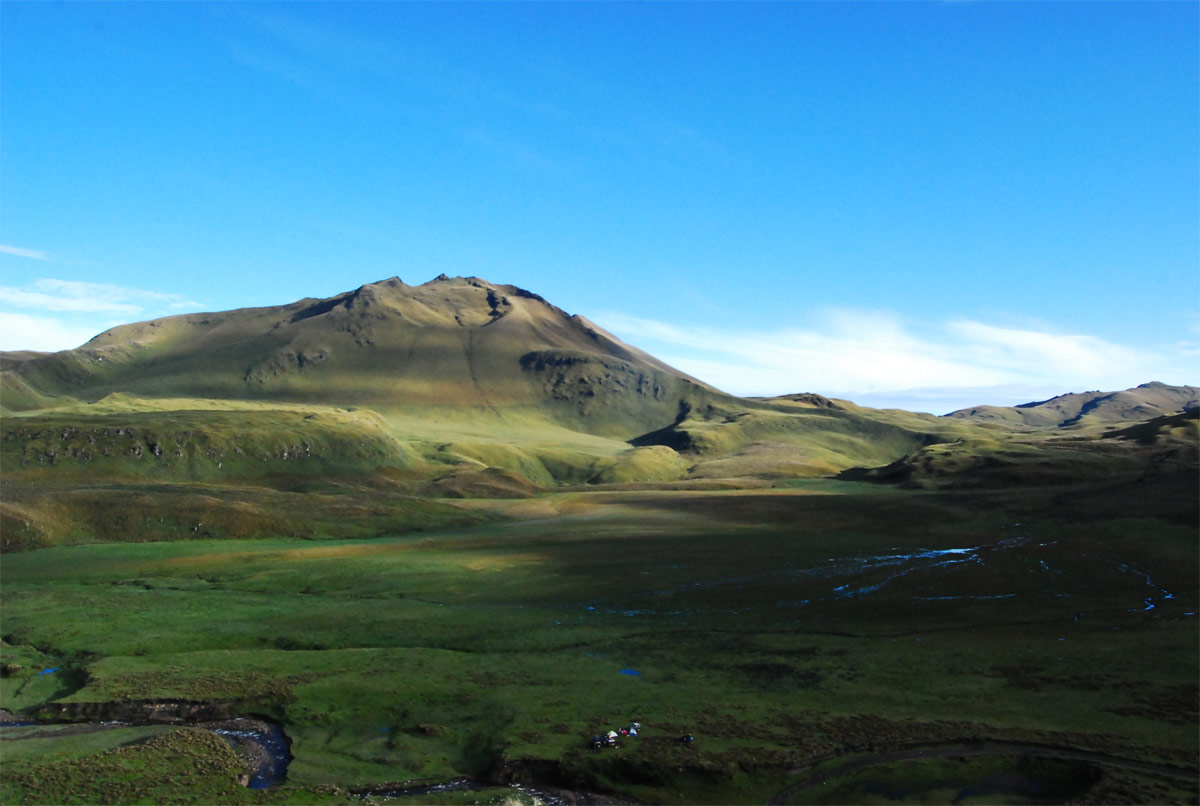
(427, 656)
(51, 743)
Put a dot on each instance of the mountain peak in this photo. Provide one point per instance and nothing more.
(452, 342)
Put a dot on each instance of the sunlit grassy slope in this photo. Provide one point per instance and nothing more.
(451, 343)
(456, 388)
(1163, 447)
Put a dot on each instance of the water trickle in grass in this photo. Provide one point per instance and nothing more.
(271, 768)
(1149, 601)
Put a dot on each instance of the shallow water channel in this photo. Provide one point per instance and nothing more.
(1033, 569)
(268, 746)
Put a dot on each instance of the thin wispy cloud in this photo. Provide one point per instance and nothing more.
(49, 294)
(28, 319)
(510, 150)
(287, 46)
(35, 254)
(273, 64)
(880, 359)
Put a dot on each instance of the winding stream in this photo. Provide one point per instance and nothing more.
(937, 575)
(269, 750)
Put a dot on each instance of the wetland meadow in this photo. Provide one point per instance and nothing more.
(828, 641)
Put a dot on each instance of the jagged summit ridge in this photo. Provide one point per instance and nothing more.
(429, 303)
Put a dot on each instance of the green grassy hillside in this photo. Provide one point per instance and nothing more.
(761, 440)
(461, 388)
(460, 343)
(429, 388)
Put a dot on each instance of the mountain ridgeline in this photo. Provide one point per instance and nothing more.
(460, 343)
(454, 371)
(464, 388)
(1144, 402)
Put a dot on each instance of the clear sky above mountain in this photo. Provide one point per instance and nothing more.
(927, 205)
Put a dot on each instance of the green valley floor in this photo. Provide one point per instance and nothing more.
(829, 642)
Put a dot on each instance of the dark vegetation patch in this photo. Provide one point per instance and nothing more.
(1176, 704)
(1121, 786)
(774, 675)
(1012, 779)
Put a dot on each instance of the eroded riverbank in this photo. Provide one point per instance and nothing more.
(260, 741)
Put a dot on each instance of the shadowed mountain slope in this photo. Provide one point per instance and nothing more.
(1160, 453)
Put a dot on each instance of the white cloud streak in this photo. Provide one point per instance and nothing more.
(878, 359)
(19, 331)
(86, 309)
(70, 295)
(35, 254)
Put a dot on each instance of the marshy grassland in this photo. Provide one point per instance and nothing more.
(788, 629)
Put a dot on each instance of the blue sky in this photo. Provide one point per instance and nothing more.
(926, 205)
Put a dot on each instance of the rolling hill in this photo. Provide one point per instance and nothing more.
(464, 388)
(456, 372)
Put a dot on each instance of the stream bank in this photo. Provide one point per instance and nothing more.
(261, 741)
(541, 778)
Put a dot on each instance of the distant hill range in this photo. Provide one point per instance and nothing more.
(461, 387)
(1081, 408)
